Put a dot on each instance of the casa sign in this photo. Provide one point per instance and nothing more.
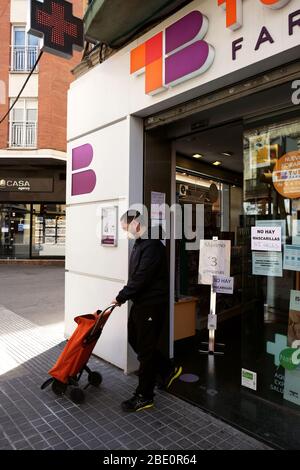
(182, 52)
(39, 185)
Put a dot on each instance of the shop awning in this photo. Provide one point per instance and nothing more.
(115, 22)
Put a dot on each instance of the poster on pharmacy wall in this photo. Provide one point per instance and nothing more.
(214, 260)
(294, 318)
(286, 175)
(260, 151)
(109, 217)
(158, 209)
(296, 232)
(292, 375)
(285, 352)
(291, 257)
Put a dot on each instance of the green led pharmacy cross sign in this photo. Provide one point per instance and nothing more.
(54, 21)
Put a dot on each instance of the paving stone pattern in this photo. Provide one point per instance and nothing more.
(31, 418)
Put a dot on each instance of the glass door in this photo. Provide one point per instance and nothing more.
(222, 206)
(15, 231)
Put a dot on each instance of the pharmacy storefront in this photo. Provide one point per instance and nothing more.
(202, 113)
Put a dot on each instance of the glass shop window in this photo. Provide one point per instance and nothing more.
(48, 230)
(270, 229)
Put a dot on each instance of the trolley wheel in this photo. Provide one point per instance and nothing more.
(58, 387)
(47, 383)
(77, 395)
(95, 378)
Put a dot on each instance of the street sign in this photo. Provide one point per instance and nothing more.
(53, 21)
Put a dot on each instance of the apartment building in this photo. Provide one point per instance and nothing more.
(32, 139)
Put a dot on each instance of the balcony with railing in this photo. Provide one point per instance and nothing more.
(23, 135)
(23, 58)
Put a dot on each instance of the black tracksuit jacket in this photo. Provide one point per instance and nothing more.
(148, 281)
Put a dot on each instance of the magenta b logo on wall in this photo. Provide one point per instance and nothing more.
(174, 55)
(83, 182)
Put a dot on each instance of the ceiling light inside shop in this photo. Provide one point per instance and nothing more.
(217, 163)
(197, 155)
(227, 154)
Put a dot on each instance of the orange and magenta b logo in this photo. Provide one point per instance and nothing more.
(174, 55)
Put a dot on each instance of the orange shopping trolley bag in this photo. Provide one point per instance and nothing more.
(73, 360)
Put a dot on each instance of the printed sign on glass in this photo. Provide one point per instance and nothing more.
(274, 223)
(296, 232)
(223, 284)
(294, 318)
(267, 263)
(260, 151)
(249, 379)
(266, 238)
(291, 257)
(286, 175)
(214, 260)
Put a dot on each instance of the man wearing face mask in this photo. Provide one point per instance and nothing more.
(148, 289)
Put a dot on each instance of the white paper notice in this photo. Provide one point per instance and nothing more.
(214, 260)
(266, 238)
(274, 223)
(223, 284)
(158, 209)
(260, 151)
(212, 322)
(291, 257)
(267, 263)
(296, 232)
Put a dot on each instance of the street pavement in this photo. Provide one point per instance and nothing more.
(31, 339)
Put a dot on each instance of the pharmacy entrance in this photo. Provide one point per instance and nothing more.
(235, 180)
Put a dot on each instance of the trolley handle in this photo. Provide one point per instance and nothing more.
(100, 316)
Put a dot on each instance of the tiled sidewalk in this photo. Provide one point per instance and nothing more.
(34, 419)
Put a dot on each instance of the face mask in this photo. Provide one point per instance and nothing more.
(130, 236)
(131, 232)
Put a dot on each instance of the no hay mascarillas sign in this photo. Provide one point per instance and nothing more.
(182, 51)
(53, 20)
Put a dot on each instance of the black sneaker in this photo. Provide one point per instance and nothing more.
(175, 374)
(137, 403)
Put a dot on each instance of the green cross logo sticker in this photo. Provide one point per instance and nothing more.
(289, 358)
